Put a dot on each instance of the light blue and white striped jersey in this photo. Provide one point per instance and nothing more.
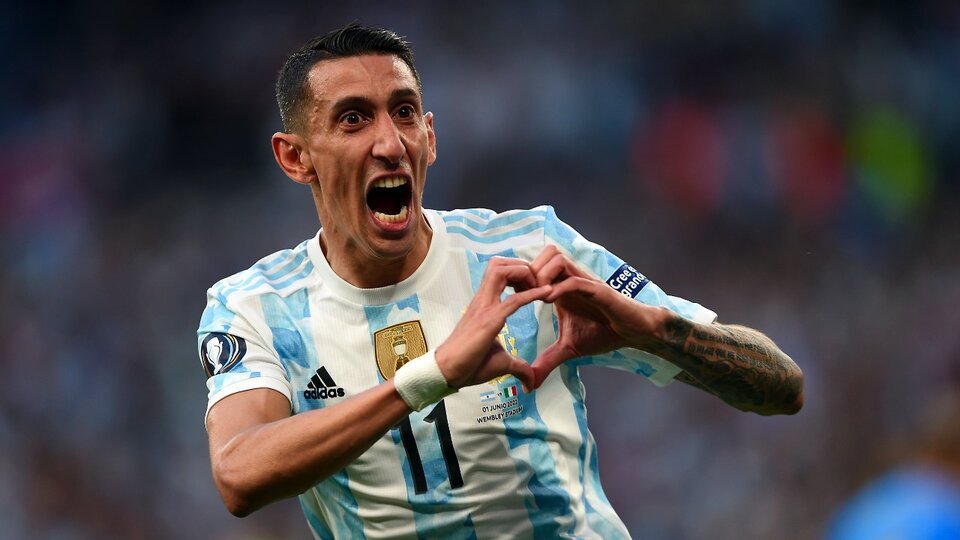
(489, 461)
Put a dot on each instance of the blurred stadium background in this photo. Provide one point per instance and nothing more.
(791, 165)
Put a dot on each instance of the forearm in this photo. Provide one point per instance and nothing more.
(285, 457)
(739, 365)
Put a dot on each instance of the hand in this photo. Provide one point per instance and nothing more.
(593, 318)
(472, 354)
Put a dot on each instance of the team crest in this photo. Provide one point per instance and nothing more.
(220, 352)
(398, 344)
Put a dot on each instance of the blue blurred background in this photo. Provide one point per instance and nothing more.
(791, 165)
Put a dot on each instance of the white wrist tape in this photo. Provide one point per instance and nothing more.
(420, 382)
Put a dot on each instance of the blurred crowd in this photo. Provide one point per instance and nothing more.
(791, 165)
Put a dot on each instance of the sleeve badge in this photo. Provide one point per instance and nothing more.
(219, 352)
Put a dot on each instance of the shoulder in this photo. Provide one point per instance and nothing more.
(484, 230)
(282, 273)
(486, 218)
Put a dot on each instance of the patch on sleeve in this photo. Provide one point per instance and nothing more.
(219, 352)
(627, 281)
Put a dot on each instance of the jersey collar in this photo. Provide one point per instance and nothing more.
(425, 273)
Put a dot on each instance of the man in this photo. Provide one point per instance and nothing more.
(409, 372)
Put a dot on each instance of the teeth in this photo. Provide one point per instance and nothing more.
(387, 218)
(389, 182)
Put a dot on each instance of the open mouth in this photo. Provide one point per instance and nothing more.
(388, 199)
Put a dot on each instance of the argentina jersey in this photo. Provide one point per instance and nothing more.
(490, 461)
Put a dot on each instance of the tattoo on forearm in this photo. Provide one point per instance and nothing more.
(739, 365)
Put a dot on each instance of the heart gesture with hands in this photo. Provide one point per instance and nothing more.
(472, 354)
(593, 318)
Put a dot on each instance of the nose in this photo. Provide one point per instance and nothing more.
(387, 145)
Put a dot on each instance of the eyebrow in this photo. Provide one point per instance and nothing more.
(404, 93)
(361, 102)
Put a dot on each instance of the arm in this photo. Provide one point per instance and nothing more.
(741, 366)
(259, 453)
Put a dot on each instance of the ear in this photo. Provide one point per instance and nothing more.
(291, 154)
(431, 138)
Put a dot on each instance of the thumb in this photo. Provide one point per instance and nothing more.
(513, 366)
(550, 358)
(524, 372)
(500, 362)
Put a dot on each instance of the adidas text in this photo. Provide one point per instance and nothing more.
(323, 393)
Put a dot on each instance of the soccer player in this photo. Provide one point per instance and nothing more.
(414, 373)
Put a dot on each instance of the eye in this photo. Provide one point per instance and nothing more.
(406, 111)
(351, 119)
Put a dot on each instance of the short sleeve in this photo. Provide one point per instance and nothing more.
(233, 355)
(628, 281)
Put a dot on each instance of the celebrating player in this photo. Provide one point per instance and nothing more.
(414, 373)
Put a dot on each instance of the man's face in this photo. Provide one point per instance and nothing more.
(370, 145)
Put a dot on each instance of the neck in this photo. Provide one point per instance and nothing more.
(367, 270)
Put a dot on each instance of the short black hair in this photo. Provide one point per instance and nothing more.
(351, 40)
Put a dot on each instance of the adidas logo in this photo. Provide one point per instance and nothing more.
(321, 386)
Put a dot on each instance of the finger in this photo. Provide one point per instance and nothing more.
(505, 363)
(520, 277)
(572, 286)
(523, 284)
(517, 300)
(499, 274)
(549, 359)
(574, 269)
(552, 270)
(545, 255)
(497, 261)
(524, 372)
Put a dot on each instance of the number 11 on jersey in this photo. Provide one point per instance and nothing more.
(437, 417)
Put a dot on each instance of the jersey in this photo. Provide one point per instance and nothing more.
(490, 461)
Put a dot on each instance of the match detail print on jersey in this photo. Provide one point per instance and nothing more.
(398, 344)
